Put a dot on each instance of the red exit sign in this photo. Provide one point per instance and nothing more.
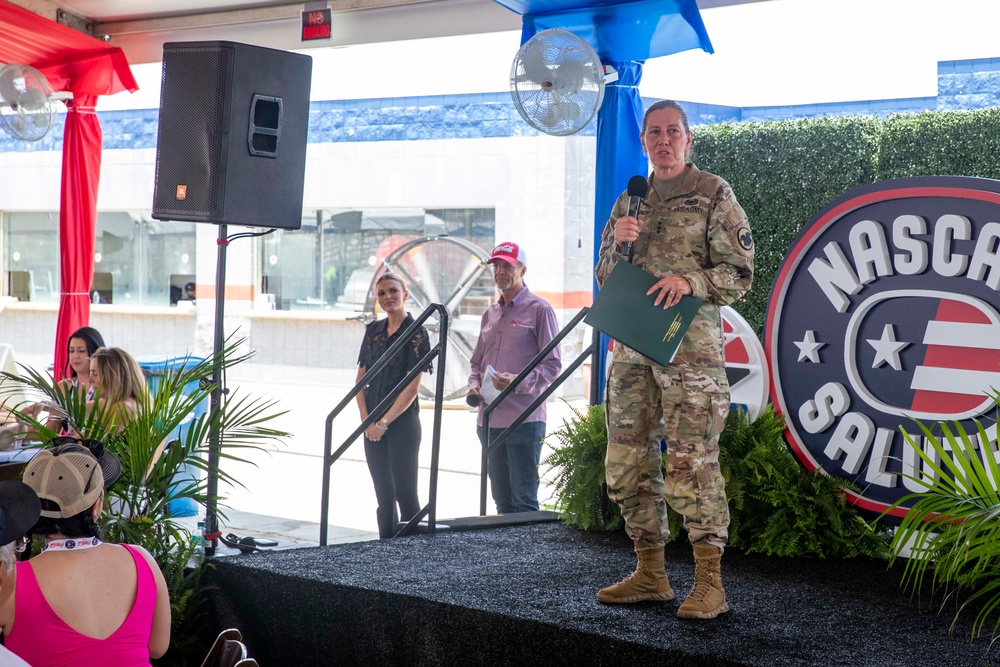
(316, 24)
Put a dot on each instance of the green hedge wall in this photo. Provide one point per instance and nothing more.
(785, 172)
(949, 143)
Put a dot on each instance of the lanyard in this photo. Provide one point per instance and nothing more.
(72, 544)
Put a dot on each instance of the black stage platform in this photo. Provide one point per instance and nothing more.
(524, 595)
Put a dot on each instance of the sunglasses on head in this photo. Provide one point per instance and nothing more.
(95, 447)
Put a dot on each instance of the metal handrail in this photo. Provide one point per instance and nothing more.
(490, 446)
(329, 458)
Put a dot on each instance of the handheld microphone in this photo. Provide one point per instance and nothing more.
(638, 186)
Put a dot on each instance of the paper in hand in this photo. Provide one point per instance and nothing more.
(488, 391)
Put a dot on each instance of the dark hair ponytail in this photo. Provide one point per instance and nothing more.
(76, 526)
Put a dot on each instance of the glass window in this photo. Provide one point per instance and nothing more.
(137, 260)
(142, 260)
(328, 264)
(31, 256)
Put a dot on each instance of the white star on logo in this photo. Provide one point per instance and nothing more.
(809, 348)
(887, 349)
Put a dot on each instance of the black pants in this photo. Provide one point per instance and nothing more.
(392, 461)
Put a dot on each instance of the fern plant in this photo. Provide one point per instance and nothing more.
(777, 507)
(953, 526)
(578, 462)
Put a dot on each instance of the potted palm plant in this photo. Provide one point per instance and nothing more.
(950, 530)
(577, 461)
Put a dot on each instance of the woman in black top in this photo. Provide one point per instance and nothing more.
(393, 441)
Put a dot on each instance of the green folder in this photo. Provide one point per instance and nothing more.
(623, 311)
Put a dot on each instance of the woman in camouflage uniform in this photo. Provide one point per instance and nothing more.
(693, 235)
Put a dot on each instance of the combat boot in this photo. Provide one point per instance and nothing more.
(707, 598)
(648, 582)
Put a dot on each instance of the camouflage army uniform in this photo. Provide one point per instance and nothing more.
(701, 233)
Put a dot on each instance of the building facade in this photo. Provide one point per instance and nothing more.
(381, 174)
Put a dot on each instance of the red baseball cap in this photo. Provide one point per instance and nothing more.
(510, 253)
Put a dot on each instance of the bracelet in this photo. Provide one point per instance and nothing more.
(379, 424)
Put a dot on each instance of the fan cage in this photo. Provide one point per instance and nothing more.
(25, 102)
(557, 82)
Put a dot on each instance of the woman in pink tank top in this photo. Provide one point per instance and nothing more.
(81, 601)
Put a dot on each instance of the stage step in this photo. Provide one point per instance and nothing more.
(496, 520)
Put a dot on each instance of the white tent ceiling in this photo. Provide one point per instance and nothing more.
(772, 52)
(140, 27)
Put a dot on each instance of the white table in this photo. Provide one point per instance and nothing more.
(18, 454)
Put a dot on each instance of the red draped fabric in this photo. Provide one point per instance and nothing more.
(81, 169)
(86, 67)
(69, 59)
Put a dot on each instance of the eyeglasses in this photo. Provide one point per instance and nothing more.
(95, 447)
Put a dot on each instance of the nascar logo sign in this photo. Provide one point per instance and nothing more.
(885, 310)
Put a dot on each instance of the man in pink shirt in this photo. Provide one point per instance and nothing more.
(513, 331)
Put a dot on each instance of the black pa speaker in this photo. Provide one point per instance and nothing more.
(231, 142)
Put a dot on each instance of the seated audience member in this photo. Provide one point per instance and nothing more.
(83, 343)
(82, 601)
(81, 346)
(120, 388)
(118, 382)
(19, 508)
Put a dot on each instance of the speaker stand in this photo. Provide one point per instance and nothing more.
(215, 400)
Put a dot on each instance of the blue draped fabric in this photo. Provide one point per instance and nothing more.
(624, 35)
(619, 158)
(620, 31)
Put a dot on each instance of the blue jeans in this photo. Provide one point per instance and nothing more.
(513, 467)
